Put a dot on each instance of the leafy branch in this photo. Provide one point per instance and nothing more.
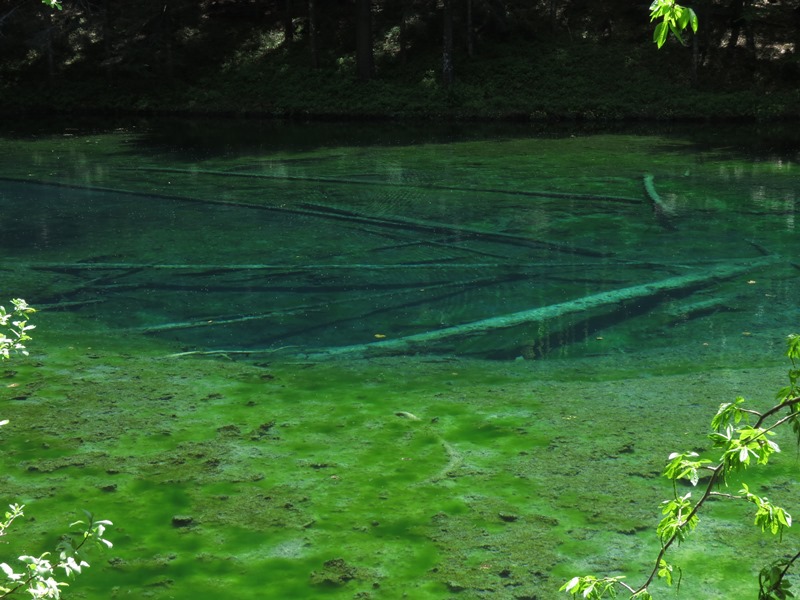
(39, 575)
(674, 18)
(14, 327)
(772, 583)
(741, 444)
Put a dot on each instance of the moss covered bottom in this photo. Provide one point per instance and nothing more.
(392, 478)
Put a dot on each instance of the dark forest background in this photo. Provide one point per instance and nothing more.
(525, 59)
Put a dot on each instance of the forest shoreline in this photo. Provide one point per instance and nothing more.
(588, 82)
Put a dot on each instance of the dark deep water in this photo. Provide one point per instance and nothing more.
(474, 274)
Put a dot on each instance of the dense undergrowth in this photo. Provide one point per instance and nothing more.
(520, 80)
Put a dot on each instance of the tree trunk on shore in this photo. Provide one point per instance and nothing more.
(447, 44)
(288, 21)
(312, 33)
(364, 59)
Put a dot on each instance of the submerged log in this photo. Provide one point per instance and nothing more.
(418, 342)
(367, 182)
(426, 299)
(664, 213)
(424, 226)
(226, 353)
(701, 308)
(204, 268)
(305, 309)
(334, 213)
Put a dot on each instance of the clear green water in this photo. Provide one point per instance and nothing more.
(540, 440)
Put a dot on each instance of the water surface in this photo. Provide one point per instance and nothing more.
(560, 309)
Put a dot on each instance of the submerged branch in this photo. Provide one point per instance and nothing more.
(424, 226)
(225, 353)
(366, 182)
(663, 212)
(335, 213)
(499, 323)
(206, 267)
(306, 309)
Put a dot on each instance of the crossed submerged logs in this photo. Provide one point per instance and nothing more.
(332, 213)
(421, 341)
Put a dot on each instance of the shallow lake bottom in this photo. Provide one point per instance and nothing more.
(398, 477)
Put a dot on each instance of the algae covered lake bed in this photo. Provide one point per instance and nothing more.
(302, 479)
(301, 361)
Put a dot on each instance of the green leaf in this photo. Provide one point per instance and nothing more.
(729, 413)
(591, 587)
(793, 346)
(676, 31)
(681, 18)
(682, 466)
(658, 9)
(693, 20)
(783, 517)
(665, 571)
(571, 585)
(660, 34)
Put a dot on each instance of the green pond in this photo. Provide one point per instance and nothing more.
(384, 361)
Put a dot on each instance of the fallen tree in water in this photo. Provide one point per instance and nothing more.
(420, 342)
(663, 212)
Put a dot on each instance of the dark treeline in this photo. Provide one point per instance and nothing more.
(138, 44)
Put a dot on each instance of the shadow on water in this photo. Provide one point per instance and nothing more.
(195, 138)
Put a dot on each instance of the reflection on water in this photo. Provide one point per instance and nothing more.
(297, 239)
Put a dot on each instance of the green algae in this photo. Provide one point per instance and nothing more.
(513, 520)
(539, 491)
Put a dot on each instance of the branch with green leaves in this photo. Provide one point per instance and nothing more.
(39, 575)
(53, 3)
(14, 328)
(743, 436)
(673, 18)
